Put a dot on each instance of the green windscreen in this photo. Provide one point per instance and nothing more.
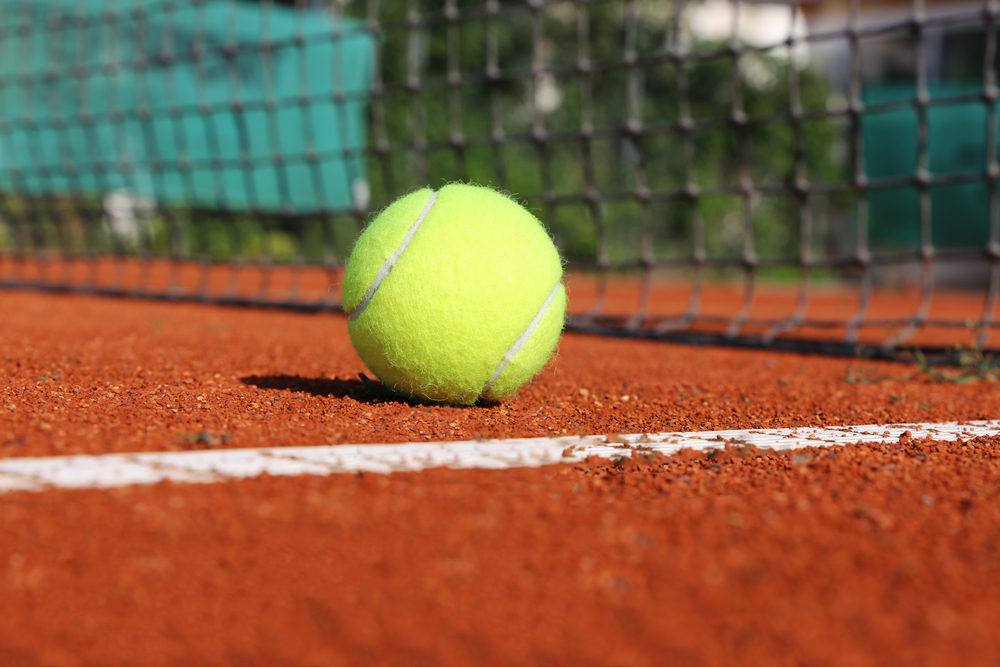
(217, 104)
(956, 145)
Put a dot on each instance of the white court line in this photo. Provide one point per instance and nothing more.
(111, 470)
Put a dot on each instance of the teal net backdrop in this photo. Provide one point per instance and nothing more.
(206, 104)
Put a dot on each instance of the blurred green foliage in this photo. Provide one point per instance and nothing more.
(559, 102)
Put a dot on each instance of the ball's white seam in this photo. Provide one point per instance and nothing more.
(387, 265)
(115, 470)
(521, 341)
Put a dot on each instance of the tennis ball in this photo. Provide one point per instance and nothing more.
(454, 295)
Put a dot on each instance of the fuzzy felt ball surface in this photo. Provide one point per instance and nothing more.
(455, 295)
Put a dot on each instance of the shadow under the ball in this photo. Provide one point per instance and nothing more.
(334, 387)
(363, 390)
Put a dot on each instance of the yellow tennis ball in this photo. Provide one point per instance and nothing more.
(455, 295)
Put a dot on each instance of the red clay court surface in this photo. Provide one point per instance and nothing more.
(858, 555)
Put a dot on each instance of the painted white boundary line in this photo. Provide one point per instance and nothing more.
(111, 470)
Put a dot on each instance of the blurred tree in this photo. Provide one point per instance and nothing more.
(482, 129)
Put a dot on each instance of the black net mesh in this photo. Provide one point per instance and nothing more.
(815, 176)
